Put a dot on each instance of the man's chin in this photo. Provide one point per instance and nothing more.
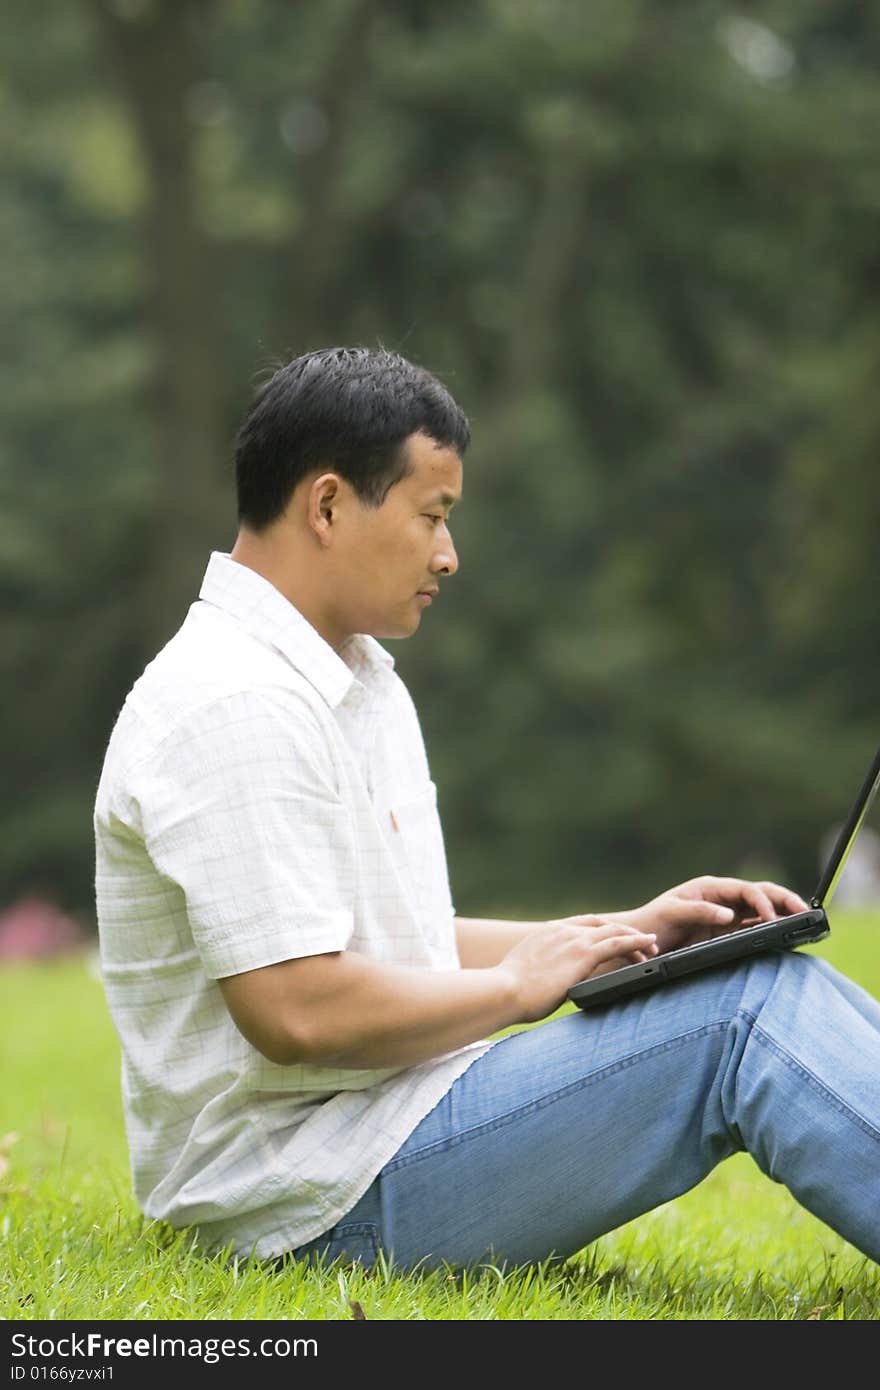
(392, 631)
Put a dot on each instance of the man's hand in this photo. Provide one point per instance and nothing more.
(556, 955)
(708, 906)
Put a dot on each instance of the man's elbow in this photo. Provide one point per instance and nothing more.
(284, 1044)
(284, 1050)
(298, 1045)
(283, 1029)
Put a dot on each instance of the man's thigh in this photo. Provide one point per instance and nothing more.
(562, 1132)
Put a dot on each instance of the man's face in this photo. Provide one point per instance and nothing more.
(394, 555)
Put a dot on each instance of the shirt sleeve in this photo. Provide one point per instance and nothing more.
(241, 812)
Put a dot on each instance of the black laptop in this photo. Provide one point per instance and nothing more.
(784, 932)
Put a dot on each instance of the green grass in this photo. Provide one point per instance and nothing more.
(73, 1245)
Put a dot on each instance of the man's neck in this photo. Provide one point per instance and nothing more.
(264, 557)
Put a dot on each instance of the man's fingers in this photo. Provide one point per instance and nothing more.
(758, 899)
(627, 937)
(752, 894)
(618, 944)
(740, 890)
(784, 900)
(702, 910)
(624, 928)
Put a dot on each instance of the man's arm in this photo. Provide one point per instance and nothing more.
(484, 941)
(692, 911)
(347, 1010)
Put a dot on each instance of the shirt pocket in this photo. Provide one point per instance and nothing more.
(415, 838)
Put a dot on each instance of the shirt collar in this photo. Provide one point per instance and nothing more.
(269, 616)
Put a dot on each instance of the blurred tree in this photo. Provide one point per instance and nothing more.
(159, 54)
(638, 241)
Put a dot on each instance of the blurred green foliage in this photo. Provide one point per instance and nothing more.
(638, 240)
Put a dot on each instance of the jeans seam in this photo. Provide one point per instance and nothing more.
(352, 1228)
(816, 1082)
(366, 1231)
(452, 1141)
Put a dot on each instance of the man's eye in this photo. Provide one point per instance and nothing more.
(433, 518)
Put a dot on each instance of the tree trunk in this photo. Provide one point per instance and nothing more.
(157, 57)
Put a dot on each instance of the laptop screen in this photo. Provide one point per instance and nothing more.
(851, 827)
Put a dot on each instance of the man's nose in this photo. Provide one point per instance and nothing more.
(445, 559)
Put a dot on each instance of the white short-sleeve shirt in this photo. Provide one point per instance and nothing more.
(263, 797)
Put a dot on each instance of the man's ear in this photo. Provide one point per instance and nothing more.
(325, 495)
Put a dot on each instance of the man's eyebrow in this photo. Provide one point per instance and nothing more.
(445, 499)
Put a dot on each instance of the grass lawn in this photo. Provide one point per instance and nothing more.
(73, 1245)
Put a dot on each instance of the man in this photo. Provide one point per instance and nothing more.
(304, 1021)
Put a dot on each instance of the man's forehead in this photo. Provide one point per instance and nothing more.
(436, 470)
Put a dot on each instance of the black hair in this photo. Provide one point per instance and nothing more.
(347, 409)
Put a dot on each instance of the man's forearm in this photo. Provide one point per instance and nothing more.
(344, 1009)
(483, 941)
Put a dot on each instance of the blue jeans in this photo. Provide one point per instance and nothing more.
(563, 1132)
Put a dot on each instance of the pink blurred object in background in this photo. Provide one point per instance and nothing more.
(34, 926)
